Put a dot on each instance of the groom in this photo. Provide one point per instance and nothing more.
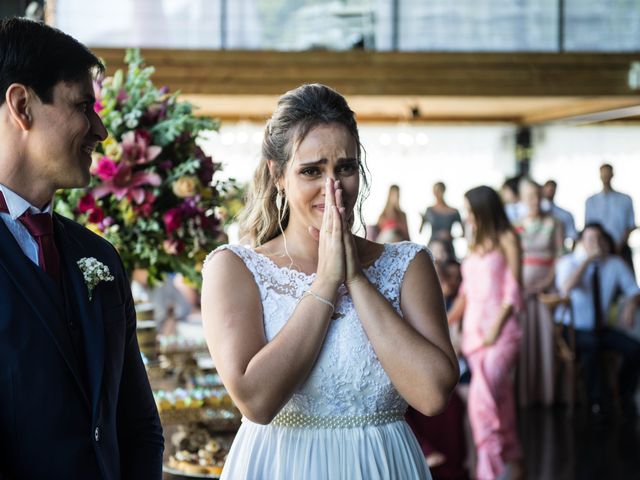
(75, 402)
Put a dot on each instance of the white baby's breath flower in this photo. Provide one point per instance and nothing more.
(94, 272)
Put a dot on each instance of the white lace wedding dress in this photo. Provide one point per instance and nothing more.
(346, 420)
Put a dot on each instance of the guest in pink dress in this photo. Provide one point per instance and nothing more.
(490, 297)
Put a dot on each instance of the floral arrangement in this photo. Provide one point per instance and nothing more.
(151, 192)
(94, 272)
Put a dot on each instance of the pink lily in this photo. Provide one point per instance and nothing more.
(127, 183)
(136, 147)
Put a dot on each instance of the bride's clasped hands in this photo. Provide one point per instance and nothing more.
(338, 261)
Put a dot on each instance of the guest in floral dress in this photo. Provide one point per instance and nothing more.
(541, 237)
(488, 301)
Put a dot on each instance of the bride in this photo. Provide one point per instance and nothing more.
(322, 337)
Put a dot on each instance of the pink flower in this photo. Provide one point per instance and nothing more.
(97, 92)
(136, 147)
(173, 247)
(106, 169)
(106, 223)
(172, 220)
(86, 203)
(127, 183)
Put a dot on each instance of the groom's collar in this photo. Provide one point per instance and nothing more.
(18, 205)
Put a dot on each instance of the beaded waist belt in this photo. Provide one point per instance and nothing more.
(293, 419)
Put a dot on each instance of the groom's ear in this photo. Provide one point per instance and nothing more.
(18, 99)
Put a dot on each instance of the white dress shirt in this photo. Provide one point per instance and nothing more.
(17, 206)
(613, 210)
(515, 211)
(613, 273)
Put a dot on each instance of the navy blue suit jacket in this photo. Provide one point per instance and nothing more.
(65, 415)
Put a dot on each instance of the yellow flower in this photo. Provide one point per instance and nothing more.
(206, 193)
(94, 228)
(112, 149)
(198, 258)
(128, 215)
(234, 206)
(189, 283)
(186, 186)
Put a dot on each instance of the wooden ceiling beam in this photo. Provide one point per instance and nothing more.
(388, 73)
(521, 88)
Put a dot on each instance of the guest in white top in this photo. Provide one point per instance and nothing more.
(591, 277)
(510, 196)
(564, 216)
(614, 211)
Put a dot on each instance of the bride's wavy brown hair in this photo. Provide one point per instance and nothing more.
(297, 112)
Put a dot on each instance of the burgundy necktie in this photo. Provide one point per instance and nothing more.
(40, 226)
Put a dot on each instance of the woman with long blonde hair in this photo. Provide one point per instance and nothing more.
(320, 336)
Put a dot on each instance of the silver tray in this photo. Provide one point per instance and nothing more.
(178, 474)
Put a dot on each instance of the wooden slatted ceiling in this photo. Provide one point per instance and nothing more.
(572, 83)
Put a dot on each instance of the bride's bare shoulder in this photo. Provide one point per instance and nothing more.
(224, 263)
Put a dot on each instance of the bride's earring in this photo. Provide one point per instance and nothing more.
(281, 204)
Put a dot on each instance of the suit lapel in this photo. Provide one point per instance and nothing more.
(90, 312)
(40, 292)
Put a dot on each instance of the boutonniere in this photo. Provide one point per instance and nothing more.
(94, 272)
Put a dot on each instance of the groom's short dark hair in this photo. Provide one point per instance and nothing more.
(39, 56)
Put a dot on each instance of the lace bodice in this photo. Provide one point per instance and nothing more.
(347, 378)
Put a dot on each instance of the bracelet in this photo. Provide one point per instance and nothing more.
(320, 299)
